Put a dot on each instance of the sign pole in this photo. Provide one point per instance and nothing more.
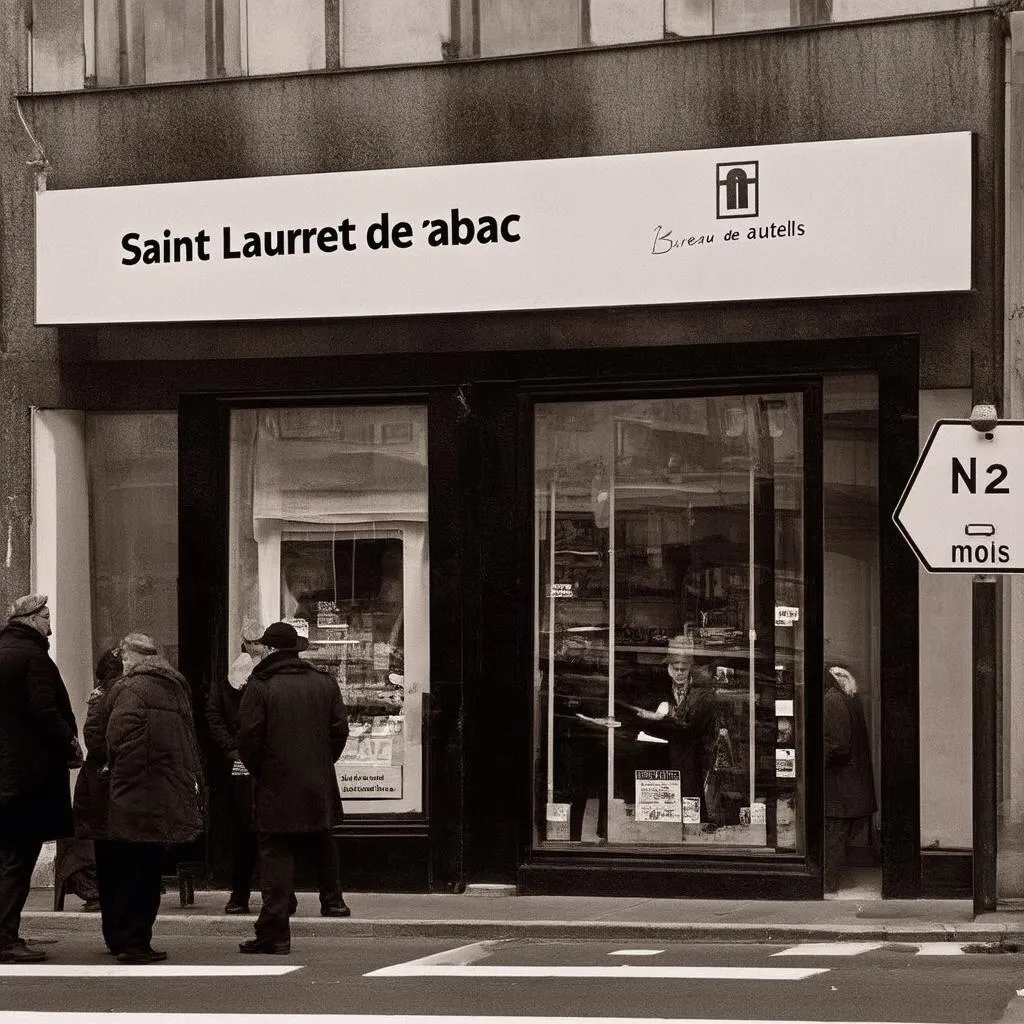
(984, 737)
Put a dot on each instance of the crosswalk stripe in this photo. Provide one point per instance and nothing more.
(102, 1017)
(620, 972)
(636, 952)
(940, 949)
(142, 970)
(829, 949)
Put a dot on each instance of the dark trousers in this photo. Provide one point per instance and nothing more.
(18, 858)
(128, 875)
(279, 854)
(837, 838)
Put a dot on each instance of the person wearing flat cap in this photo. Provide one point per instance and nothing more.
(292, 729)
(38, 747)
(142, 729)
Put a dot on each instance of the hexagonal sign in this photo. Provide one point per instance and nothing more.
(963, 509)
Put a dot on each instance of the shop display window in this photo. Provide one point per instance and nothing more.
(329, 533)
(670, 615)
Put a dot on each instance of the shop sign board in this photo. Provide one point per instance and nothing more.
(369, 782)
(963, 508)
(800, 220)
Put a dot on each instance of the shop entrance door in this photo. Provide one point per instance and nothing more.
(672, 611)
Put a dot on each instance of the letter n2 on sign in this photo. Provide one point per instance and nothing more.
(963, 508)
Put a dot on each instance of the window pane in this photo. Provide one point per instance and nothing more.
(525, 26)
(57, 46)
(132, 461)
(669, 567)
(284, 35)
(329, 532)
(625, 21)
(393, 31)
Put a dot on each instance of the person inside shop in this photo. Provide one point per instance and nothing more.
(686, 719)
(849, 777)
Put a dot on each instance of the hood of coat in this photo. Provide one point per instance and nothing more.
(281, 663)
(23, 631)
(154, 665)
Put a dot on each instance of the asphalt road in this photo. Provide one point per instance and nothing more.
(600, 979)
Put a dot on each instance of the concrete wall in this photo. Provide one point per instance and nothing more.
(937, 73)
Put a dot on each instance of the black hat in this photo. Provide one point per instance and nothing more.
(282, 637)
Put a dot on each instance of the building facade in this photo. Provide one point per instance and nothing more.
(512, 493)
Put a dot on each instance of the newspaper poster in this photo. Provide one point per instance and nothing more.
(785, 763)
(658, 796)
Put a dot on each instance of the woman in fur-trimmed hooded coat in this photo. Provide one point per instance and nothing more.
(144, 730)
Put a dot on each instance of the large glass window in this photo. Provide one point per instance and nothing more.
(132, 462)
(129, 42)
(329, 532)
(670, 617)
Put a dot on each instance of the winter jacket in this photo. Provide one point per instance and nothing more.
(222, 715)
(37, 730)
(849, 779)
(292, 728)
(142, 729)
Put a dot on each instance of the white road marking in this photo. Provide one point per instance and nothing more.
(620, 972)
(829, 949)
(141, 970)
(636, 952)
(460, 956)
(99, 1017)
(940, 949)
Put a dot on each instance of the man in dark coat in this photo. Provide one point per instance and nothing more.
(849, 778)
(143, 730)
(222, 714)
(38, 746)
(292, 729)
(686, 721)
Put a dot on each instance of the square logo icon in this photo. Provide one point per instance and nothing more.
(737, 190)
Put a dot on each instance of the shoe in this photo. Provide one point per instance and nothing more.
(141, 956)
(236, 907)
(19, 953)
(339, 909)
(91, 906)
(264, 946)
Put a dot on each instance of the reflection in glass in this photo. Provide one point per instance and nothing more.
(329, 533)
(669, 569)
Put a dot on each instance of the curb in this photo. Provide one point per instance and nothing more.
(713, 932)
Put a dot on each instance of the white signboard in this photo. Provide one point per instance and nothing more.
(963, 509)
(855, 217)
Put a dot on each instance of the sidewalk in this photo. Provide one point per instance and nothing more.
(476, 916)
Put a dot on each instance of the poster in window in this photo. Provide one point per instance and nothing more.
(658, 796)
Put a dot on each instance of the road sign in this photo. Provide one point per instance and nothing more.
(963, 509)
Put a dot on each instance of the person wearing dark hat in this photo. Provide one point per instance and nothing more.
(292, 729)
(142, 729)
(38, 747)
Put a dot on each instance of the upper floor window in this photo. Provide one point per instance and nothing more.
(133, 42)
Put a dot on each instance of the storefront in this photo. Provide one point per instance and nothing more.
(579, 600)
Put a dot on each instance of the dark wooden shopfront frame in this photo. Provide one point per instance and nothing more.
(476, 827)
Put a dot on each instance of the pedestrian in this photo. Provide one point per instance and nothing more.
(292, 729)
(143, 731)
(222, 716)
(849, 778)
(74, 867)
(38, 747)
